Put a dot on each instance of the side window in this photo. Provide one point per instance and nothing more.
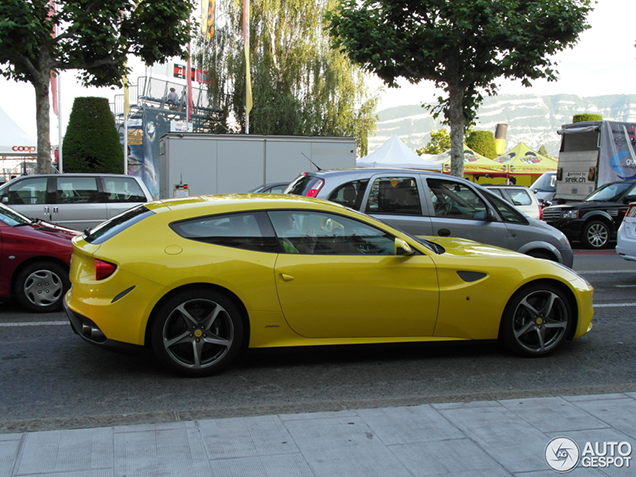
(319, 233)
(456, 200)
(394, 195)
(249, 231)
(122, 189)
(350, 194)
(519, 197)
(76, 190)
(28, 191)
(508, 213)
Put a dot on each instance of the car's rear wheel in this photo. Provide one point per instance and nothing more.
(40, 286)
(536, 320)
(596, 234)
(197, 332)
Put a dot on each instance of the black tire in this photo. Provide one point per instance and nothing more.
(536, 320)
(596, 234)
(40, 286)
(197, 332)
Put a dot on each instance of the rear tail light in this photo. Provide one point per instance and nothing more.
(540, 212)
(104, 269)
(313, 192)
(631, 212)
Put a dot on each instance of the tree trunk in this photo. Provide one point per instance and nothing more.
(42, 107)
(456, 120)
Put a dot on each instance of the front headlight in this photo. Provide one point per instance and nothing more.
(570, 214)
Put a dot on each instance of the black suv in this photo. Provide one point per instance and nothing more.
(594, 221)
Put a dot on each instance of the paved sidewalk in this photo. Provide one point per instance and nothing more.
(486, 438)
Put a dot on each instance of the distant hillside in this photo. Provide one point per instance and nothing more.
(531, 119)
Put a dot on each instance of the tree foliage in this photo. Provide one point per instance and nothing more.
(482, 142)
(92, 37)
(579, 118)
(91, 143)
(439, 143)
(464, 46)
(300, 86)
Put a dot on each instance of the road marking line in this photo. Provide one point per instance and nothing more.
(36, 323)
(624, 286)
(611, 305)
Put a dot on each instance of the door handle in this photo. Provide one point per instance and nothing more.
(286, 278)
(444, 232)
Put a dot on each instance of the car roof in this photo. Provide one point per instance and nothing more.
(244, 201)
(371, 171)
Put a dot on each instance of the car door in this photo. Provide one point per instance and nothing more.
(340, 278)
(459, 211)
(397, 200)
(78, 204)
(28, 195)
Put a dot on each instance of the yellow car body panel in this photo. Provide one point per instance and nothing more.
(296, 299)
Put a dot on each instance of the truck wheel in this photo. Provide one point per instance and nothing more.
(595, 234)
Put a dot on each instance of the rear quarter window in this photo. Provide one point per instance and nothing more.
(117, 224)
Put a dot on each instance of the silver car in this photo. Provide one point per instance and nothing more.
(78, 201)
(428, 203)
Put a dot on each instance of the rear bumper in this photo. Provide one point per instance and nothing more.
(90, 332)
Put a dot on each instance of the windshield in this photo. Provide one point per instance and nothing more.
(609, 192)
(13, 218)
(545, 183)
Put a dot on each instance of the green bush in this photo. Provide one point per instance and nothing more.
(482, 142)
(579, 118)
(92, 143)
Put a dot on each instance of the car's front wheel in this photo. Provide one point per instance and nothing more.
(197, 332)
(536, 320)
(40, 286)
(596, 234)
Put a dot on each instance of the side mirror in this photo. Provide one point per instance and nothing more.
(402, 248)
(5, 199)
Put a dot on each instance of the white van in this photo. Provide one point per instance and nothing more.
(78, 201)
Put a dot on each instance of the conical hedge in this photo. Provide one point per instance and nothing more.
(92, 143)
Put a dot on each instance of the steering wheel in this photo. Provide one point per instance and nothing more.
(443, 209)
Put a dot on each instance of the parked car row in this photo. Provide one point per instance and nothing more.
(432, 204)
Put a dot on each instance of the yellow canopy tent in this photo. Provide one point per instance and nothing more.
(475, 165)
(525, 164)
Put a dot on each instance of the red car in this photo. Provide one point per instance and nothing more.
(34, 261)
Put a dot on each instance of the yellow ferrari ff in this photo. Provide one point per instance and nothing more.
(198, 279)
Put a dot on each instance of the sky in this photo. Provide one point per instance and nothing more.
(602, 62)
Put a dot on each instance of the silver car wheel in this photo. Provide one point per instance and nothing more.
(596, 235)
(43, 288)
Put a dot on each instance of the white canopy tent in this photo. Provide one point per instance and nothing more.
(13, 140)
(394, 153)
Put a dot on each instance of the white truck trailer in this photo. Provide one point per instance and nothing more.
(228, 163)
(594, 153)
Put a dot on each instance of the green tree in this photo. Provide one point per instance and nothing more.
(300, 86)
(482, 142)
(91, 143)
(93, 37)
(439, 143)
(464, 46)
(579, 118)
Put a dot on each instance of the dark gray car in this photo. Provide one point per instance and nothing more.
(428, 203)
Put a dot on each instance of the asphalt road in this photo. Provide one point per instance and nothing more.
(51, 379)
